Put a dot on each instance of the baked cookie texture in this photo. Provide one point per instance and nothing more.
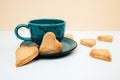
(25, 54)
(50, 45)
(106, 38)
(70, 36)
(88, 42)
(102, 54)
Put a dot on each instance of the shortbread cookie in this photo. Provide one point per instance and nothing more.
(102, 54)
(88, 42)
(70, 36)
(106, 38)
(25, 54)
(50, 44)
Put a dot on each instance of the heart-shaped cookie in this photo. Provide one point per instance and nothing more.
(88, 42)
(106, 38)
(25, 54)
(102, 54)
(50, 44)
(70, 36)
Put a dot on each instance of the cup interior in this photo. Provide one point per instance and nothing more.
(47, 21)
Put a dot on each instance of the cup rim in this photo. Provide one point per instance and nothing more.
(54, 19)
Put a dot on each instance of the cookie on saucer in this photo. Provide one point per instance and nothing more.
(50, 45)
(70, 36)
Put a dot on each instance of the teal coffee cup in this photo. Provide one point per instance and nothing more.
(39, 27)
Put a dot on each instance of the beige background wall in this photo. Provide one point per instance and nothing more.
(79, 14)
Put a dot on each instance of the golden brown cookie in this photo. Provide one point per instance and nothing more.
(25, 54)
(102, 54)
(88, 42)
(50, 44)
(70, 36)
(106, 38)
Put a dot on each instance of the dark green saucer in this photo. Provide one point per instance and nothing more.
(68, 46)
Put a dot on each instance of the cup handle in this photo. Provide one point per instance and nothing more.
(17, 29)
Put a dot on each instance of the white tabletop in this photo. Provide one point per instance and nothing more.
(77, 66)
